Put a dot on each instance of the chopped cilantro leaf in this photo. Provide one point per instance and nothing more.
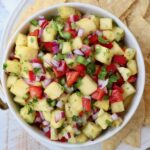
(4, 66)
(36, 70)
(30, 110)
(102, 74)
(51, 103)
(90, 69)
(108, 122)
(34, 22)
(112, 79)
(32, 40)
(78, 83)
(102, 40)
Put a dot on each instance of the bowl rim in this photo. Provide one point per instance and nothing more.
(27, 127)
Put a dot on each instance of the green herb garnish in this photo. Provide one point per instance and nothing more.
(4, 66)
(34, 22)
(30, 110)
(86, 41)
(51, 103)
(78, 83)
(62, 81)
(36, 70)
(102, 40)
(66, 35)
(32, 40)
(112, 79)
(108, 122)
(90, 69)
(102, 74)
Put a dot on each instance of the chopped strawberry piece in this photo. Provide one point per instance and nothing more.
(98, 94)
(32, 76)
(81, 70)
(120, 59)
(93, 39)
(111, 68)
(132, 79)
(34, 33)
(73, 32)
(36, 60)
(86, 103)
(108, 45)
(48, 134)
(44, 24)
(36, 91)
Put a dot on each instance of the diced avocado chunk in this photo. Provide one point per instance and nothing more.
(68, 111)
(20, 100)
(54, 122)
(129, 53)
(20, 88)
(88, 25)
(65, 11)
(81, 138)
(91, 130)
(75, 101)
(66, 48)
(49, 34)
(32, 41)
(116, 49)
(54, 90)
(11, 80)
(109, 35)
(103, 54)
(118, 33)
(117, 123)
(77, 43)
(25, 53)
(27, 114)
(21, 40)
(46, 59)
(106, 24)
(131, 64)
(47, 115)
(13, 66)
(25, 68)
(41, 105)
(125, 72)
(104, 104)
(128, 89)
(104, 120)
(117, 107)
(87, 85)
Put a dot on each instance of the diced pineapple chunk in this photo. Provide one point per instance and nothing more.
(88, 25)
(104, 120)
(49, 34)
(41, 105)
(27, 114)
(65, 11)
(25, 53)
(116, 49)
(54, 134)
(95, 20)
(11, 80)
(129, 53)
(109, 35)
(20, 100)
(68, 111)
(117, 107)
(106, 23)
(77, 43)
(87, 86)
(91, 130)
(128, 89)
(66, 48)
(32, 41)
(54, 122)
(13, 66)
(81, 138)
(118, 33)
(104, 104)
(20, 88)
(25, 68)
(75, 102)
(21, 40)
(47, 115)
(131, 64)
(54, 90)
(117, 123)
(70, 60)
(103, 54)
(125, 72)
(47, 58)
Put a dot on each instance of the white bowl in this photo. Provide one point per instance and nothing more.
(130, 41)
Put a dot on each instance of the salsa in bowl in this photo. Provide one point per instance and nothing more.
(72, 75)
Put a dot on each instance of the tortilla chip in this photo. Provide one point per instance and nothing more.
(136, 121)
(134, 138)
(117, 7)
(93, 2)
(139, 9)
(147, 15)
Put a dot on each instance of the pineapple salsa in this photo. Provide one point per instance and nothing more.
(71, 75)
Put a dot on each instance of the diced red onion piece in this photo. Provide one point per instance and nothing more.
(61, 68)
(72, 18)
(114, 116)
(69, 56)
(46, 129)
(46, 82)
(45, 123)
(41, 115)
(80, 32)
(78, 52)
(29, 82)
(69, 89)
(36, 65)
(59, 116)
(55, 63)
(41, 21)
(102, 83)
(105, 90)
(40, 33)
(41, 17)
(67, 135)
(55, 49)
(94, 116)
(98, 32)
(59, 104)
(38, 119)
